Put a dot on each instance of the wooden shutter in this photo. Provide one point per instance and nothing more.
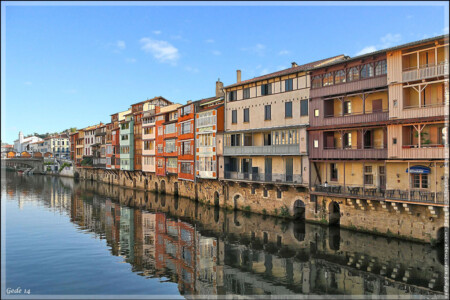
(377, 105)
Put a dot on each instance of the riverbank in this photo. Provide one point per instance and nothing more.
(409, 221)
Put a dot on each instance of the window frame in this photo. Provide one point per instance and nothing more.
(267, 112)
(289, 85)
(288, 109)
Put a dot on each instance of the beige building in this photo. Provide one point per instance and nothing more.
(265, 139)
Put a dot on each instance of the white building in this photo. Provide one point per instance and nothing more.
(23, 144)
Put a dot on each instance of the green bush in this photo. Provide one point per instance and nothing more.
(284, 211)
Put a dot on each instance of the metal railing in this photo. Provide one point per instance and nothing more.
(377, 192)
(261, 150)
(263, 177)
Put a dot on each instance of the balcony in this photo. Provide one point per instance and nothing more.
(262, 150)
(351, 153)
(264, 178)
(377, 193)
(206, 121)
(425, 72)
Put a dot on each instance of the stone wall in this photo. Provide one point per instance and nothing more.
(408, 221)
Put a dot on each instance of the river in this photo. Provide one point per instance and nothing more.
(67, 237)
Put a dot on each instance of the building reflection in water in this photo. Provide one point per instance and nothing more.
(208, 251)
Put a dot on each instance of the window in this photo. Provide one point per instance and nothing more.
(185, 127)
(316, 81)
(288, 109)
(333, 172)
(265, 193)
(266, 89)
(170, 146)
(347, 140)
(160, 148)
(367, 71)
(185, 148)
(380, 68)
(347, 107)
(328, 79)
(248, 139)
(267, 112)
(185, 110)
(232, 96)
(316, 143)
(267, 139)
(395, 103)
(171, 162)
(339, 77)
(246, 115)
(253, 190)
(443, 137)
(288, 85)
(279, 194)
(186, 168)
(316, 113)
(234, 116)
(304, 107)
(353, 74)
(246, 93)
(368, 176)
(148, 145)
(170, 128)
(419, 181)
(235, 139)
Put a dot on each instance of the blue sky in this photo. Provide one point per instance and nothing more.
(74, 65)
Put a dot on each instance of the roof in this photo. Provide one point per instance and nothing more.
(291, 70)
(349, 59)
(154, 98)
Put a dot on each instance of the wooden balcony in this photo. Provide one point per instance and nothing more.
(350, 119)
(425, 72)
(292, 179)
(333, 153)
(343, 88)
(425, 152)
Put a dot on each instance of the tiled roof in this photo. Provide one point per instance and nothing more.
(288, 71)
(348, 59)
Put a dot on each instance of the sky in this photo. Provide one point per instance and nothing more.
(74, 64)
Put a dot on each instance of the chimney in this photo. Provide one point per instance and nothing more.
(189, 102)
(238, 76)
(294, 64)
(219, 89)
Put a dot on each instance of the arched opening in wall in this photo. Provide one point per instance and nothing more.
(334, 237)
(216, 213)
(334, 212)
(440, 235)
(156, 187)
(216, 199)
(299, 210)
(175, 188)
(163, 200)
(163, 187)
(235, 202)
(299, 231)
(175, 202)
(92, 177)
(146, 184)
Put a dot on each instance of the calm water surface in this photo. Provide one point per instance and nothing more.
(86, 238)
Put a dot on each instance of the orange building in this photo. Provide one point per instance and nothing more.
(186, 142)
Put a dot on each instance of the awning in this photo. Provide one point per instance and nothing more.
(418, 170)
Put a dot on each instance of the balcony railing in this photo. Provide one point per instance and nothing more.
(262, 177)
(354, 113)
(424, 105)
(378, 193)
(426, 71)
(262, 150)
(206, 121)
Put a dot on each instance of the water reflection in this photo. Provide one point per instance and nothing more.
(208, 251)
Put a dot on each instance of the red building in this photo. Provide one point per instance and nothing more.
(166, 140)
(186, 142)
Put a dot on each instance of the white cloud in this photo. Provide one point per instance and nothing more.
(163, 51)
(386, 41)
(28, 83)
(120, 45)
(258, 49)
(283, 52)
(209, 41)
(130, 60)
(216, 52)
(390, 40)
(367, 49)
(157, 32)
(191, 69)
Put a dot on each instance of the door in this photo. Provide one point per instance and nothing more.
(381, 177)
(330, 141)
(268, 169)
(289, 169)
(377, 106)
(246, 167)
